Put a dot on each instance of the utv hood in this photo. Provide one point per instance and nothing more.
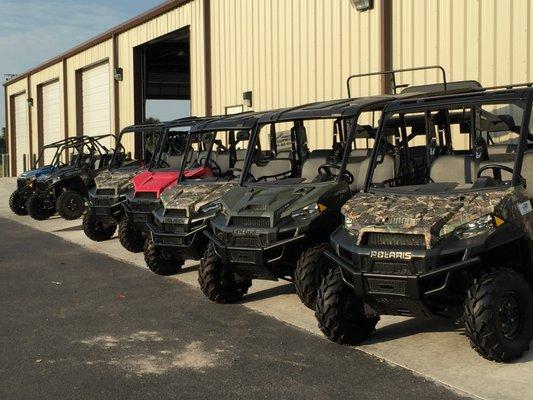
(65, 171)
(156, 182)
(273, 201)
(115, 179)
(47, 169)
(192, 197)
(433, 216)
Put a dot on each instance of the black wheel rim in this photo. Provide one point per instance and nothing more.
(510, 318)
(73, 204)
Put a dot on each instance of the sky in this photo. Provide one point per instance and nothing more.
(33, 31)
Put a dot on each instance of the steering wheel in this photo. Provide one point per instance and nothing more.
(213, 164)
(497, 171)
(163, 163)
(326, 170)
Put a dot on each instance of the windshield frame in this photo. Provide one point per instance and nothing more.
(449, 102)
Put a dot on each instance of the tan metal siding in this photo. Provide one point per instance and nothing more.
(290, 52)
(486, 40)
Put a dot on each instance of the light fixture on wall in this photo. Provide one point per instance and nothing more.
(247, 98)
(363, 5)
(117, 73)
(30, 102)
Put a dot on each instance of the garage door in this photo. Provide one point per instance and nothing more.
(96, 100)
(51, 117)
(22, 140)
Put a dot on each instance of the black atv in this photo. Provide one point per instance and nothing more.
(276, 224)
(104, 209)
(163, 171)
(65, 189)
(26, 181)
(444, 225)
(177, 226)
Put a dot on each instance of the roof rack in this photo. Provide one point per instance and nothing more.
(393, 73)
(510, 86)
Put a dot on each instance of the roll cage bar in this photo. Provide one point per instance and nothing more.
(524, 94)
(165, 128)
(57, 145)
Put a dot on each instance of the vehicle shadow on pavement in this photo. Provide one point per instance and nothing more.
(70, 229)
(270, 292)
(414, 326)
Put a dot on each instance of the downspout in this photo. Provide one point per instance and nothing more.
(207, 59)
(30, 119)
(386, 44)
(116, 125)
(7, 131)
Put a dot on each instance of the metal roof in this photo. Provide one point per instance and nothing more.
(460, 99)
(241, 121)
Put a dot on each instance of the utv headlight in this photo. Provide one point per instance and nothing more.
(55, 179)
(210, 207)
(478, 227)
(308, 211)
(350, 226)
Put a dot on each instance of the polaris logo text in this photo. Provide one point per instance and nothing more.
(402, 255)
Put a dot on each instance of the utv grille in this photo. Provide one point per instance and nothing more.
(102, 202)
(174, 228)
(386, 286)
(105, 192)
(146, 195)
(251, 222)
(251, 241)
(175, 213)
(142, 207)
(393, 239)
(391, 268)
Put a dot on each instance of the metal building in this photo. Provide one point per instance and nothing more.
(231, 55)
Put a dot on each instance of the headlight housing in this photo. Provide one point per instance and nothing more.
(55, 179)
(350, 227)
(308, 211)
(477, 227)
(210, 207)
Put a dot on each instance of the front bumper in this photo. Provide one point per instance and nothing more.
(256, 256)
(402, 280)
(187, 242)
(106, 208)
(139, 211)
(25, 188)
(47, 194)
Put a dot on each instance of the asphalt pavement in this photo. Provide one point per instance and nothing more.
(78, 324)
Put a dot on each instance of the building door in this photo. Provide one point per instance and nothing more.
(95, 100)
(50, 117)
(22, 139)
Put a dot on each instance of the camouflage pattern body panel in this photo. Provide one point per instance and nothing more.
(192, 197)
(117, 179)
(433, 216)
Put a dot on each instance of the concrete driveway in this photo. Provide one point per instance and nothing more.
(437, 350)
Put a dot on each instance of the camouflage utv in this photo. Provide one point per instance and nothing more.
(177, 226)
(104, 210)
(276, 224)
(445, 223)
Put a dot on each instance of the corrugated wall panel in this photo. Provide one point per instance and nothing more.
(291, 52)
(488, 40)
